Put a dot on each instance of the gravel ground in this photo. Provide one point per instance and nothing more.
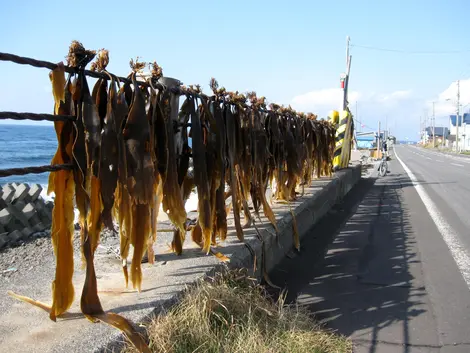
(25, 256)
(38, 252)
(17, 260)
(24, 266)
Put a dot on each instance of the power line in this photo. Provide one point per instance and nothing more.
(410, 51)
(362, 124)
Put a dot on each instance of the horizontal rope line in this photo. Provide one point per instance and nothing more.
(176, 90)
(35, 170)
(36, 117)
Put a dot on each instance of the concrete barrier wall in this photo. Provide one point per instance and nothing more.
(23, 212)
(307, 214)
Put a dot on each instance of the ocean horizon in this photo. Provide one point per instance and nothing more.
(25, 146)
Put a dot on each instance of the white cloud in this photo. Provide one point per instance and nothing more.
(394, 96)
(321, 101)
(446, 102)
(396, 109)
(401, 110)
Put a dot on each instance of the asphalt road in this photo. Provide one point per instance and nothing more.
(446, 179)
(387, 266)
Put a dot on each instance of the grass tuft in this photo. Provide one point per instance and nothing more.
(232, 313)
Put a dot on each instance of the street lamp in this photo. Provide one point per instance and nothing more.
(457, 122)
(433, 127)
(464, 125)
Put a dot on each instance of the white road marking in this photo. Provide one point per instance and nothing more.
(451, 238)
(457, 158)
(428, 158)
(458, 165)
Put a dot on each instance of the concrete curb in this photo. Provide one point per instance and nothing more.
(22, 212)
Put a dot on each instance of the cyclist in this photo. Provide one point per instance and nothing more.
(383, 166)
(384, 148)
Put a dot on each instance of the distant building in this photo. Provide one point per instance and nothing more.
(365, 141)
(442, 135)
(453, 121)
(464, 135)
(368, 140)
(440, 131)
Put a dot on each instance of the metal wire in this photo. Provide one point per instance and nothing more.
(35, 170)
(36, 117)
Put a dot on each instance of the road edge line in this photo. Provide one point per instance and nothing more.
(452, 240)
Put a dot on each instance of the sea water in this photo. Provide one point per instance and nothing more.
(26, 146)
(35, 145)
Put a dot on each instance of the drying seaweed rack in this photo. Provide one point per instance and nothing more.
(50, 117)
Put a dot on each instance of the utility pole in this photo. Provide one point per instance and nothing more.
(378, 141)
(444, 139)
(425, 126)
(358, 120)
(420, 129)
(464, 125)
(457, 118)
(345, 77)
(433, 127)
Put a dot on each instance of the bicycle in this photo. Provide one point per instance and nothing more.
(383, 166)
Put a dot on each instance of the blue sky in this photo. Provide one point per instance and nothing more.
(292, 52)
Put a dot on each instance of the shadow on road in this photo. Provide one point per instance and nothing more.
(358, 271)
